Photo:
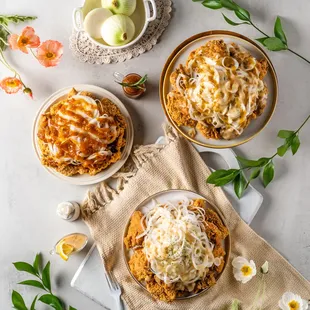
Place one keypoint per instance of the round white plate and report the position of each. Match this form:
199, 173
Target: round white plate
99, 92
174, 195
180, 55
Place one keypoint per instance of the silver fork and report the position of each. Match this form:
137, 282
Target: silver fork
114, 288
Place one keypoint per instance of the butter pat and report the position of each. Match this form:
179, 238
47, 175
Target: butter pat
69, 211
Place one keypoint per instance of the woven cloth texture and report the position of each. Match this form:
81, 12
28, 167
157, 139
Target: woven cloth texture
177, 165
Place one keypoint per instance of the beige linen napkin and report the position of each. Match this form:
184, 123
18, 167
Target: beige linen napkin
178, 165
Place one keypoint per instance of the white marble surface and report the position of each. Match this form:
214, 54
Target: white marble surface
28, 195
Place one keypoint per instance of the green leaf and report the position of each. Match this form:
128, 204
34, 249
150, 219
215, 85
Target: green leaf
71, 308
212, 4
230, 22
275, 44
239, 185
282, 149
235, 305
222, 177
243, 14
295, 145
285, 134
252, 163
52, 301
18, 301
32, 307
33, 283
268, 174
5, 19
230, 5
3, 38
278, 31
46, 279
261, 40
22, 266
255, 173
36, 263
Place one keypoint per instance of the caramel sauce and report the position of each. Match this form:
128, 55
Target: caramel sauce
133, 92
77, 130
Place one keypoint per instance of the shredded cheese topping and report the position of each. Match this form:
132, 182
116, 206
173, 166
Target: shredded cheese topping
78, 133
176, 244
222, 92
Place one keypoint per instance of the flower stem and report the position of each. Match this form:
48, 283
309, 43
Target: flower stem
5, 63
34, 55
6, 28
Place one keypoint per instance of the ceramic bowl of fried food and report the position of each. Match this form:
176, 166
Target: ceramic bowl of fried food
219, 89
176, 245
82, 134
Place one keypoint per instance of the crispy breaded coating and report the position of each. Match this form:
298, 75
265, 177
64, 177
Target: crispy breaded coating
161, 291
262, 66
139, 266
134, 230
207, 282
208, 132
215, 49
210, 91
178, 110
173, 76
200, 203
76, 164
212, 218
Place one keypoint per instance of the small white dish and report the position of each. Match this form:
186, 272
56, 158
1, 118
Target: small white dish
86, 179
145, 12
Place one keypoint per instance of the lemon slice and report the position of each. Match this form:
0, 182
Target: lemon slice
64, 250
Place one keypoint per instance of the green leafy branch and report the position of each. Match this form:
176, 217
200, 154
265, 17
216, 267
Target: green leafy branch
278, 42
263, 165
6, 19
42, 281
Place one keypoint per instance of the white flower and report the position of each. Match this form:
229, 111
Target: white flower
244, 270
291, 301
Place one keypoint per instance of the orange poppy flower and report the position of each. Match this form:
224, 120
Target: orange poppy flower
27, 39
11, 85
49, 53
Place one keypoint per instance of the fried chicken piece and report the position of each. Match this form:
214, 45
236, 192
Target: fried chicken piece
74, 92
178, 110
134, 230
139, 266
205, 283
262, 66
215, 49
200, 203
208, 132
160, 290
174, 75
213, 218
